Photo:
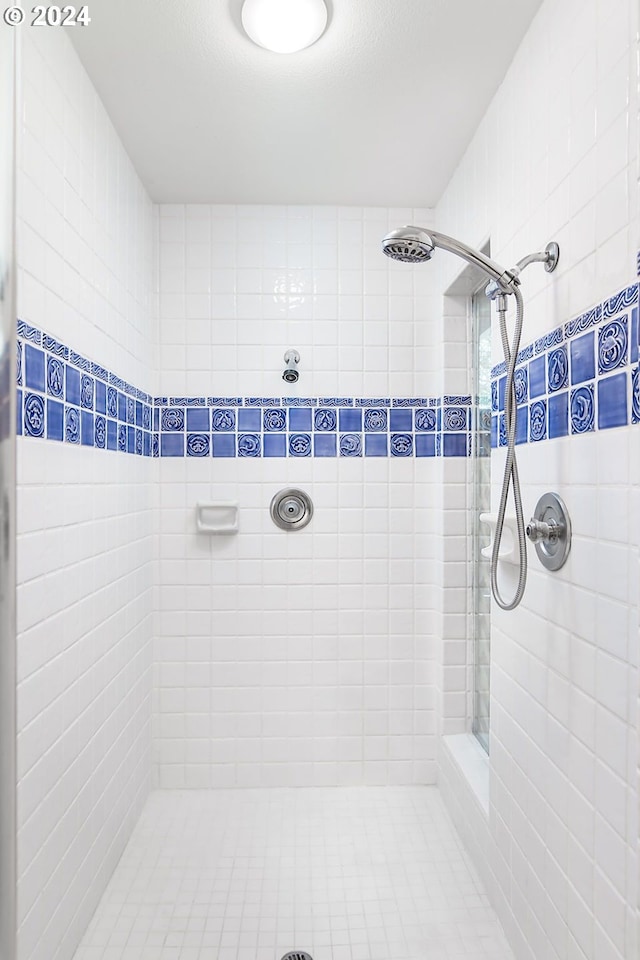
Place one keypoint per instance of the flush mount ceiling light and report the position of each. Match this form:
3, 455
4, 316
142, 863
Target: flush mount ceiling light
284, 26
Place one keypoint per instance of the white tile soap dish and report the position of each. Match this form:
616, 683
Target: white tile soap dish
218, 517
509, 547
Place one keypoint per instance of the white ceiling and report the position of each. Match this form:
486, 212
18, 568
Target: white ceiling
377, 112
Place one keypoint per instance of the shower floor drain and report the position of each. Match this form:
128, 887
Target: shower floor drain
297, 955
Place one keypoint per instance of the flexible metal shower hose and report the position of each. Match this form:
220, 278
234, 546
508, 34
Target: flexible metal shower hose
511, 466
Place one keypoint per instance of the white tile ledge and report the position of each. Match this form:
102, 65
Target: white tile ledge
472, 762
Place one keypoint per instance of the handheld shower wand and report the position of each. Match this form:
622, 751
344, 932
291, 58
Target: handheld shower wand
416, 245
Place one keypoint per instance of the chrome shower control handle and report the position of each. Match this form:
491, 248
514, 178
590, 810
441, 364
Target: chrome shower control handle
540, 530
550, 530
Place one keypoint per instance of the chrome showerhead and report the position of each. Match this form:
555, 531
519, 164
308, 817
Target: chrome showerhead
410, 245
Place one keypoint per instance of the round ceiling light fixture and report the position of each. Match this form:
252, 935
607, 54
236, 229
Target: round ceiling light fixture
284, 26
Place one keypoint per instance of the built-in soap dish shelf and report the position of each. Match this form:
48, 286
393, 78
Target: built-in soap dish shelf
509, 552
219, 517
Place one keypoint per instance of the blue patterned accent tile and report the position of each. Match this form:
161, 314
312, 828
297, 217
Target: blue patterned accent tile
33, 415
584, 322
582, 409
300, 420
197, 444
131, 410
146, 416
112, 435
401, 420
558, 415
350, 445
335, 401
324, 445
300, 445
197, 419
122, 407
620, 301
223, 445
249, 421
157, 401
521, 383
99, 372
373, 402
155, 445
19, 362
553, 338
101, 397
72, 424
27, 332
499, 369
325, 419
249, 443
525, 354
425, 445
455, 400
19, 413
100, 434
274, 445
122, 437
583, 363
112, 402
494, 396
540, 346
454, 418
172, 418
139, 413
375, 445
55, 420
538, 421
54, 346
116, 381
299, 402
455, 445
401, 444
262, 401
411, 402
426, 420
33, 368
87, 430
223, 420
522, 424
79, 361
274, 420
156, 419
375, 421
613, 342
86, 391
146, 443
634, 346
537, 377
502, 430
224, 401
172, 444
55, 377
638, 264
612, 401
635, 396
558, 369
350, 420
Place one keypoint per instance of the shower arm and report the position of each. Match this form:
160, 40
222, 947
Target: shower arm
504, 279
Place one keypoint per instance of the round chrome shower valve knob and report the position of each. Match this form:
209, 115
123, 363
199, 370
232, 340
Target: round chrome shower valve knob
291, 509
550, 530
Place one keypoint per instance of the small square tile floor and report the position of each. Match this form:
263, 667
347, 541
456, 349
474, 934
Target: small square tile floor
368, 873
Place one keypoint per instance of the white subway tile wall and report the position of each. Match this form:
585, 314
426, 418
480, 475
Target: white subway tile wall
84, 523
295, 658
560, 856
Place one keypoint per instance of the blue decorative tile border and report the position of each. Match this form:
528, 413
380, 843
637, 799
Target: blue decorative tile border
65, 397
580, 377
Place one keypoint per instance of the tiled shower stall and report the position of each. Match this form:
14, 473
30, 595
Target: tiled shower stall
152, 657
